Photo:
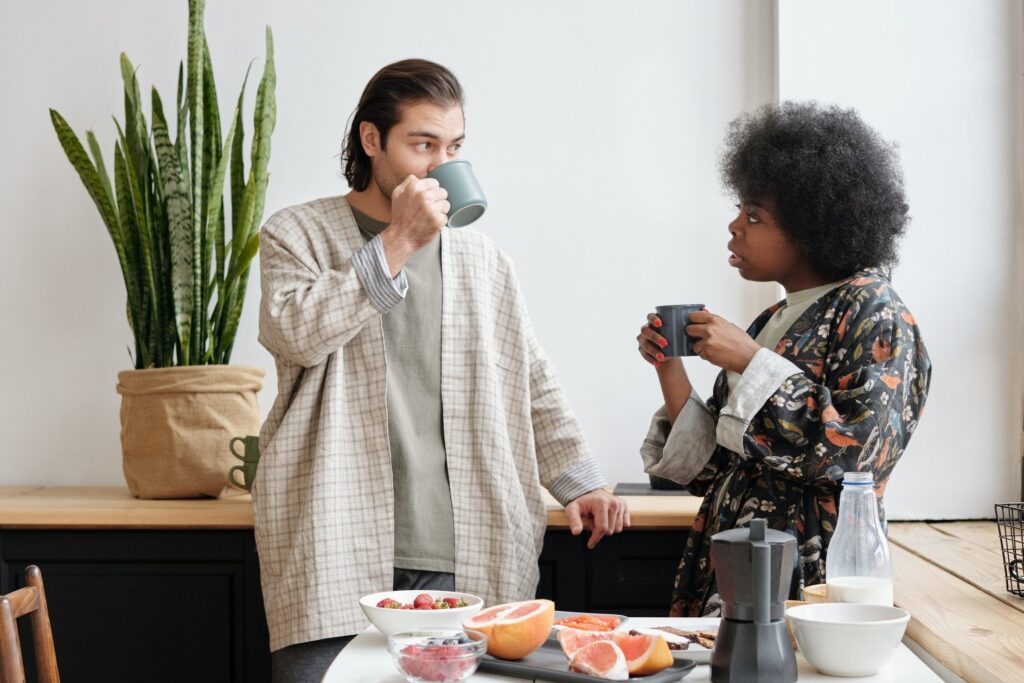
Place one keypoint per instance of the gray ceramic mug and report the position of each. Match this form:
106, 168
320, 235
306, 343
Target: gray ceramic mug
464, 193
674, 320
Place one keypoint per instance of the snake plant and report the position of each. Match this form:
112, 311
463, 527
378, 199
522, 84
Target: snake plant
185, 276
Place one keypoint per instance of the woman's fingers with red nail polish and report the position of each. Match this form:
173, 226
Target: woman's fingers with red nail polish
650, 343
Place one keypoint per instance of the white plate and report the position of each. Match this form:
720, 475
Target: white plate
697, 653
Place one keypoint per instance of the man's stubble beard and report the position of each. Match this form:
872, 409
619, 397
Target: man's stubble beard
385, 181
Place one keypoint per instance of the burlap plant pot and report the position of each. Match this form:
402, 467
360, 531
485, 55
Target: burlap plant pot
176, 424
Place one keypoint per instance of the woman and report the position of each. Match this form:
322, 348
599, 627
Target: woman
829, 380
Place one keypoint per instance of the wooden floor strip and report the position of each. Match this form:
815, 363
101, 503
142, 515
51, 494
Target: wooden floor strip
980, 566
947, 618
981, 533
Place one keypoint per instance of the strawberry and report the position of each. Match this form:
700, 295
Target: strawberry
407, 606
423, 599
430, 606
390, 603
452, 602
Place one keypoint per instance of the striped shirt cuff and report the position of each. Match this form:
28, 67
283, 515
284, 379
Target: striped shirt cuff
583, 477
679, 450
371, 266
764, 375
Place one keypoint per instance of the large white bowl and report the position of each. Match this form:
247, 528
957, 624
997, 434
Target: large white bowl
847, 639
389, 621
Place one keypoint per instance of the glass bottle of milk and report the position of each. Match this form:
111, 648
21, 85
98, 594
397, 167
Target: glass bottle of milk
858, 567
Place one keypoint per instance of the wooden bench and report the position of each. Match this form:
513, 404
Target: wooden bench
949, 576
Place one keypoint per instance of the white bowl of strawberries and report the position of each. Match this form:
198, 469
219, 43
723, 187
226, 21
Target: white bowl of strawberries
397, 611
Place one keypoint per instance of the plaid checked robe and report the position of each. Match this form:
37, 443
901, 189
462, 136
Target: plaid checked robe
323, 496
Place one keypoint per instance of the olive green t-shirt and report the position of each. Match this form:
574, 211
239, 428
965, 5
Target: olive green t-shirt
783, 319
424, 522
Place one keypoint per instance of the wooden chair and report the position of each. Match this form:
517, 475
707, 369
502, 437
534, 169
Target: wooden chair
30, 600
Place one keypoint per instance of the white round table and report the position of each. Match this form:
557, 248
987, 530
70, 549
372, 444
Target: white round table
366, 660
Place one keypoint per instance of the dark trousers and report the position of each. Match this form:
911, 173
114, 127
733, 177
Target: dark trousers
308, 662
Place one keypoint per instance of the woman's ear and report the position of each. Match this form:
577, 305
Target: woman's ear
369, 137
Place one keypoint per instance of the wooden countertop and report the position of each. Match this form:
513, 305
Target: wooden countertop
949, 576
113, 507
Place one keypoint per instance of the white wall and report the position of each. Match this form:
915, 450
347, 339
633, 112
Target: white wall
942, 78
594, 130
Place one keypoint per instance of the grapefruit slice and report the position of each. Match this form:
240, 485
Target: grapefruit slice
514, 629
645, 653
601, 658
572, 639
590, 622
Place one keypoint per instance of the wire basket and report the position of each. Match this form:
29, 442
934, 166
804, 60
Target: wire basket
1010, 522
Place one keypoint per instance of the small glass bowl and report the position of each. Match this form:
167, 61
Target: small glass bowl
437, 655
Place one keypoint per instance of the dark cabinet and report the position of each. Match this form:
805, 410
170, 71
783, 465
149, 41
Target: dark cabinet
146, 605
163, 605
630, 573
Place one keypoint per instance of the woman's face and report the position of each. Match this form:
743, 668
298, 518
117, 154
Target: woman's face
762, 252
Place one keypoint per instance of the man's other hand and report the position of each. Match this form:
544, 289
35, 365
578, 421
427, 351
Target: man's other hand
599, 511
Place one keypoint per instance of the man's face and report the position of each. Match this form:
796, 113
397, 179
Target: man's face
425, 136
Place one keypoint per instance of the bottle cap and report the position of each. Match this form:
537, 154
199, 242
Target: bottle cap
858, 478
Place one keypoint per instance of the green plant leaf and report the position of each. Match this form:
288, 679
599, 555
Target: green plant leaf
238, 160
234, 315
179, 226
197, 130
235, 284
97, 158
180, 143
97, 189
216, 216
140, 322
251, 212
237, 191
212, 188
264, 118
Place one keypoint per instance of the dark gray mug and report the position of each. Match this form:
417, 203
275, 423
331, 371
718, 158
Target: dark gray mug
464, 193
674, 320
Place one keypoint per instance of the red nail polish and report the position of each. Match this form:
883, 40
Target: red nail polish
663, 343
661, 356
657, 364
657, 322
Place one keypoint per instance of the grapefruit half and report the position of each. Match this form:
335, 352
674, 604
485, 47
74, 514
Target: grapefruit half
514, 629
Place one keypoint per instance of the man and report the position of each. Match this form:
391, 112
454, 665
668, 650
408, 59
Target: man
417, 416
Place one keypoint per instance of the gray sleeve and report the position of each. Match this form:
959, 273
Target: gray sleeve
764, 375
371, 266
680, 450
583, 477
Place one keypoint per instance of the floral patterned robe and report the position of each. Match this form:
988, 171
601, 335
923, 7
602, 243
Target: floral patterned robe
865, 379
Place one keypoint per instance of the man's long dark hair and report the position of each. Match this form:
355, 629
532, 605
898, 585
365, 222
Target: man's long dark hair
406, 82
